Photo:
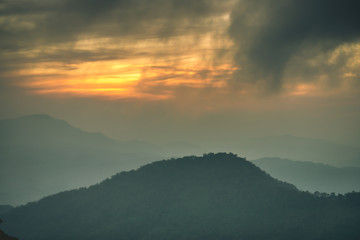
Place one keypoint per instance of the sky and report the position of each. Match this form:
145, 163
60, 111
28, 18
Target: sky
199, 71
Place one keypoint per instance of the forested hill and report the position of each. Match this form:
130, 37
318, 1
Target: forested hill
217, 196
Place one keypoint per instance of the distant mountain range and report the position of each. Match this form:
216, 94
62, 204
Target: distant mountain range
299, 149
217, 196
40, 155
312, 177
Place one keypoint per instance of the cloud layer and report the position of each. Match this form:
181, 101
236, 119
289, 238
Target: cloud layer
275, 36
99, 63
296, 47
37, 21
49, 43
29, 24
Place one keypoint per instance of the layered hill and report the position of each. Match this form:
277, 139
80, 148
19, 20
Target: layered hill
5, 208
309, 176
217, 196
41, 155
300, 149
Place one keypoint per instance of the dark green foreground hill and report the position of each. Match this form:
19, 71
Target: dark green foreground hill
217, 196
4, 236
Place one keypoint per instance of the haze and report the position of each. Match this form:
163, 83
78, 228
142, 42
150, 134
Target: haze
209, 73
179, 119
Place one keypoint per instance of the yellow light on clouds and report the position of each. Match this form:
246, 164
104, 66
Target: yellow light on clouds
128, 68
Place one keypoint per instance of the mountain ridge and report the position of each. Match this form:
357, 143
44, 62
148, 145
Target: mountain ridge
309, 176
216, 196
300, 149
49, 155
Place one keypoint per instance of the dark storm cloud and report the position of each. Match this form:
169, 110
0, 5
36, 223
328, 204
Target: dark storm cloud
271, 33
29, 24
25, 23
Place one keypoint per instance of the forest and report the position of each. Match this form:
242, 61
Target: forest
215, 196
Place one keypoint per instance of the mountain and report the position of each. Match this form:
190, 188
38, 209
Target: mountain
299, 149
41, 155
312, 177
216, 196
5, 208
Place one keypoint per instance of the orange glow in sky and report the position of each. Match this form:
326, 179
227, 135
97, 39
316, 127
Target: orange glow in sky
111, 79
150, 69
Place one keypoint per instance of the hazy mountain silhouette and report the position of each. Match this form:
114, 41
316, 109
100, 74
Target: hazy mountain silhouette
312, 177
300, 149
5, 208
40, 155
217, 196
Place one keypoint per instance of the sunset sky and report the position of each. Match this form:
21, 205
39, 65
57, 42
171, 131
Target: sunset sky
199, 71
